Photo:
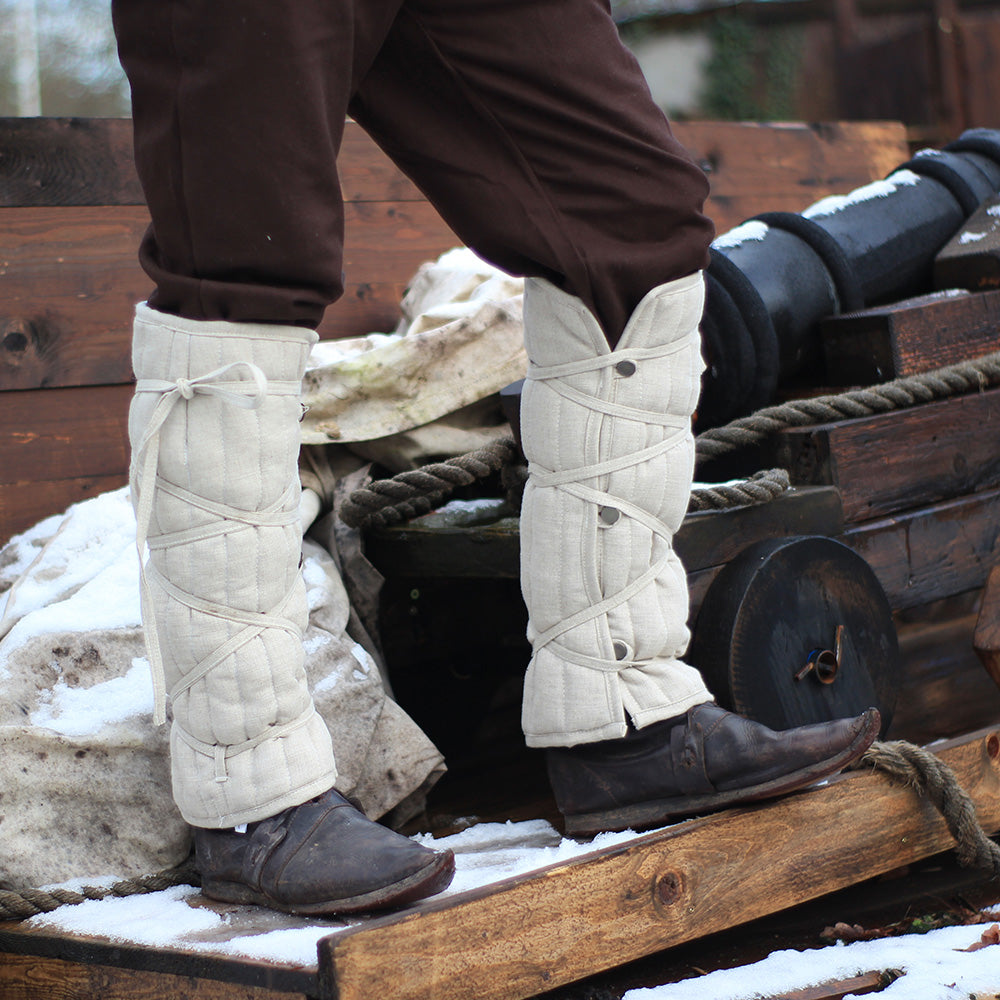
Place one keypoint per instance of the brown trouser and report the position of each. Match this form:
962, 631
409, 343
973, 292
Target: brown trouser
525, 122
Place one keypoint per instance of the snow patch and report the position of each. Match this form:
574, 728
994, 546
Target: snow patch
84, 711
878, 189
752, 230
935, 968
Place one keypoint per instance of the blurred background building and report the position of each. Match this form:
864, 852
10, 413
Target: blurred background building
932, 64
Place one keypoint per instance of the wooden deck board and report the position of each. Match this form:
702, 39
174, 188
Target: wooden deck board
529, 934
520, 938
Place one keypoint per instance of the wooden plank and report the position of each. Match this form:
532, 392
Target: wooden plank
534, 933
23, 505
787, 167
88, 161
897, 460
58, 446
868, 982
67, 161
986, 639
923, 555
64, 434
71, 279
426, 547
971, 258
29, 977
944, 690
981, 55
70, 284
905, 338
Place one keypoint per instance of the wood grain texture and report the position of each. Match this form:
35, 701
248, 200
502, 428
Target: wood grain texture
71, 281
986, 639
933, 552
905, 338
29, 977
945, 691
88, 161
533, 933
785, 168
753, 167
58, 446
971, 258
67, 161
23, 505
64, 434
897, 460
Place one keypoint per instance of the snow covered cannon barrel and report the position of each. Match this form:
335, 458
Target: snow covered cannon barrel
774, 277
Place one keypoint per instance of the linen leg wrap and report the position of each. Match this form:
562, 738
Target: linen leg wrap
214, 427
611, 456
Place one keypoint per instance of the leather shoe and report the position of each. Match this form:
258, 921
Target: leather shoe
699, 762
321, 857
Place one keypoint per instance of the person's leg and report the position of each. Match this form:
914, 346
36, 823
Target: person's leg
531, 129
585, 185
245, 250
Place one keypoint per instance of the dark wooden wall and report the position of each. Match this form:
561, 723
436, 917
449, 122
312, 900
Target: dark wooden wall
72, 214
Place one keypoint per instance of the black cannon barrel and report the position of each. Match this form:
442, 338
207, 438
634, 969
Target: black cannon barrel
785, 272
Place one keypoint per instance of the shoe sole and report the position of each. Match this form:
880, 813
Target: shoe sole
643, 815
433, 878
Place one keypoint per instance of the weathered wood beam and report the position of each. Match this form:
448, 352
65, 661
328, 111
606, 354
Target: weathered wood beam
529, 934
32, 977
897, 460
971, 258
923, 555
909, 337
986, 639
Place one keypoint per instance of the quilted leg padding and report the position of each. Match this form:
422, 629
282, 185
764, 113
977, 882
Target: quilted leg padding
611, 456
214, 427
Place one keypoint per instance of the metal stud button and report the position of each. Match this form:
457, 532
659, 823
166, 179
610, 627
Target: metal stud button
621, 650
609, 515
625, 368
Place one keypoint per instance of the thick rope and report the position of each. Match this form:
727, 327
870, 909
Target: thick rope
902, 393
927, 774
759, 488
30, 902
410, 494
390, 501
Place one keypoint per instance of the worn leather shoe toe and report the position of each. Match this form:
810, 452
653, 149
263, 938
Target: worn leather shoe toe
321, 857
705, 760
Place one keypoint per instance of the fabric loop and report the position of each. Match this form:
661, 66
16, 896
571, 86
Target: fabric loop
220, 753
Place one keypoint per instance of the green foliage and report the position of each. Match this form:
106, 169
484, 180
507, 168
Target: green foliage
752, 73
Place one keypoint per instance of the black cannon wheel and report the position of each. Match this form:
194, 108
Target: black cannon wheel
798, 630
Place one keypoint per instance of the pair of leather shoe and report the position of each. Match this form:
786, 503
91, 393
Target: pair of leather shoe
326, 857
321, 857
705, 760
